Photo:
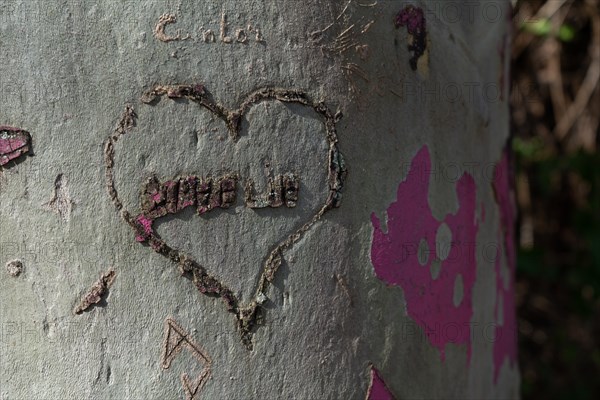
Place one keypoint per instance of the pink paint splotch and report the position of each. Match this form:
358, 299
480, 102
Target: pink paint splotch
9, 145
156, 197
377, 388
505, 343
14, 142
396, 261
146, 224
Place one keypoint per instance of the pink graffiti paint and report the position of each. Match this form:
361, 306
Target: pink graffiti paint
156, 197
8, 145
377, 388
414, 19
505, 344
146, 224
396, 260
14, 142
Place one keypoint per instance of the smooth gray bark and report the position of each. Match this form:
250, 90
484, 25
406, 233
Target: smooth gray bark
70, 69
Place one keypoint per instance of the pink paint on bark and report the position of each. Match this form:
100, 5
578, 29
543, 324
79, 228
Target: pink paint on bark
187, 204
11, 144
146, 224
156, 197
377, 388
14, 142
395, 256
505, 344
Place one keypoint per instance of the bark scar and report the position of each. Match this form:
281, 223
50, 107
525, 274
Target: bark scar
97, 292
61, 203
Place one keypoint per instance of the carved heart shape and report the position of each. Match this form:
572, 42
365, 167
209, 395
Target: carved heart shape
207, 193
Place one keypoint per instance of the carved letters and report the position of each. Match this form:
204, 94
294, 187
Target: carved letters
282, 189
207, 193
224, 33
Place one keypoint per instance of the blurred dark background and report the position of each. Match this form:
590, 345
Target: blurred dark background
555, 117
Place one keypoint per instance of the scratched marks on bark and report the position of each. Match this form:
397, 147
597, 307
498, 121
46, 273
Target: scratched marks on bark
347, 38
400, 255
14, 143
177, 339
97, 292
343, 37
284, 190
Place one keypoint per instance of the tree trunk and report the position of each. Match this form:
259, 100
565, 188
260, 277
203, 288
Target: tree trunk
263, 200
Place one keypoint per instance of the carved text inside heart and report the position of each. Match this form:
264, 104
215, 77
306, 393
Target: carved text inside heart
206, 193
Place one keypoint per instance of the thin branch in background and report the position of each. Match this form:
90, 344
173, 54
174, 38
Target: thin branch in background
588, 87
546, 11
